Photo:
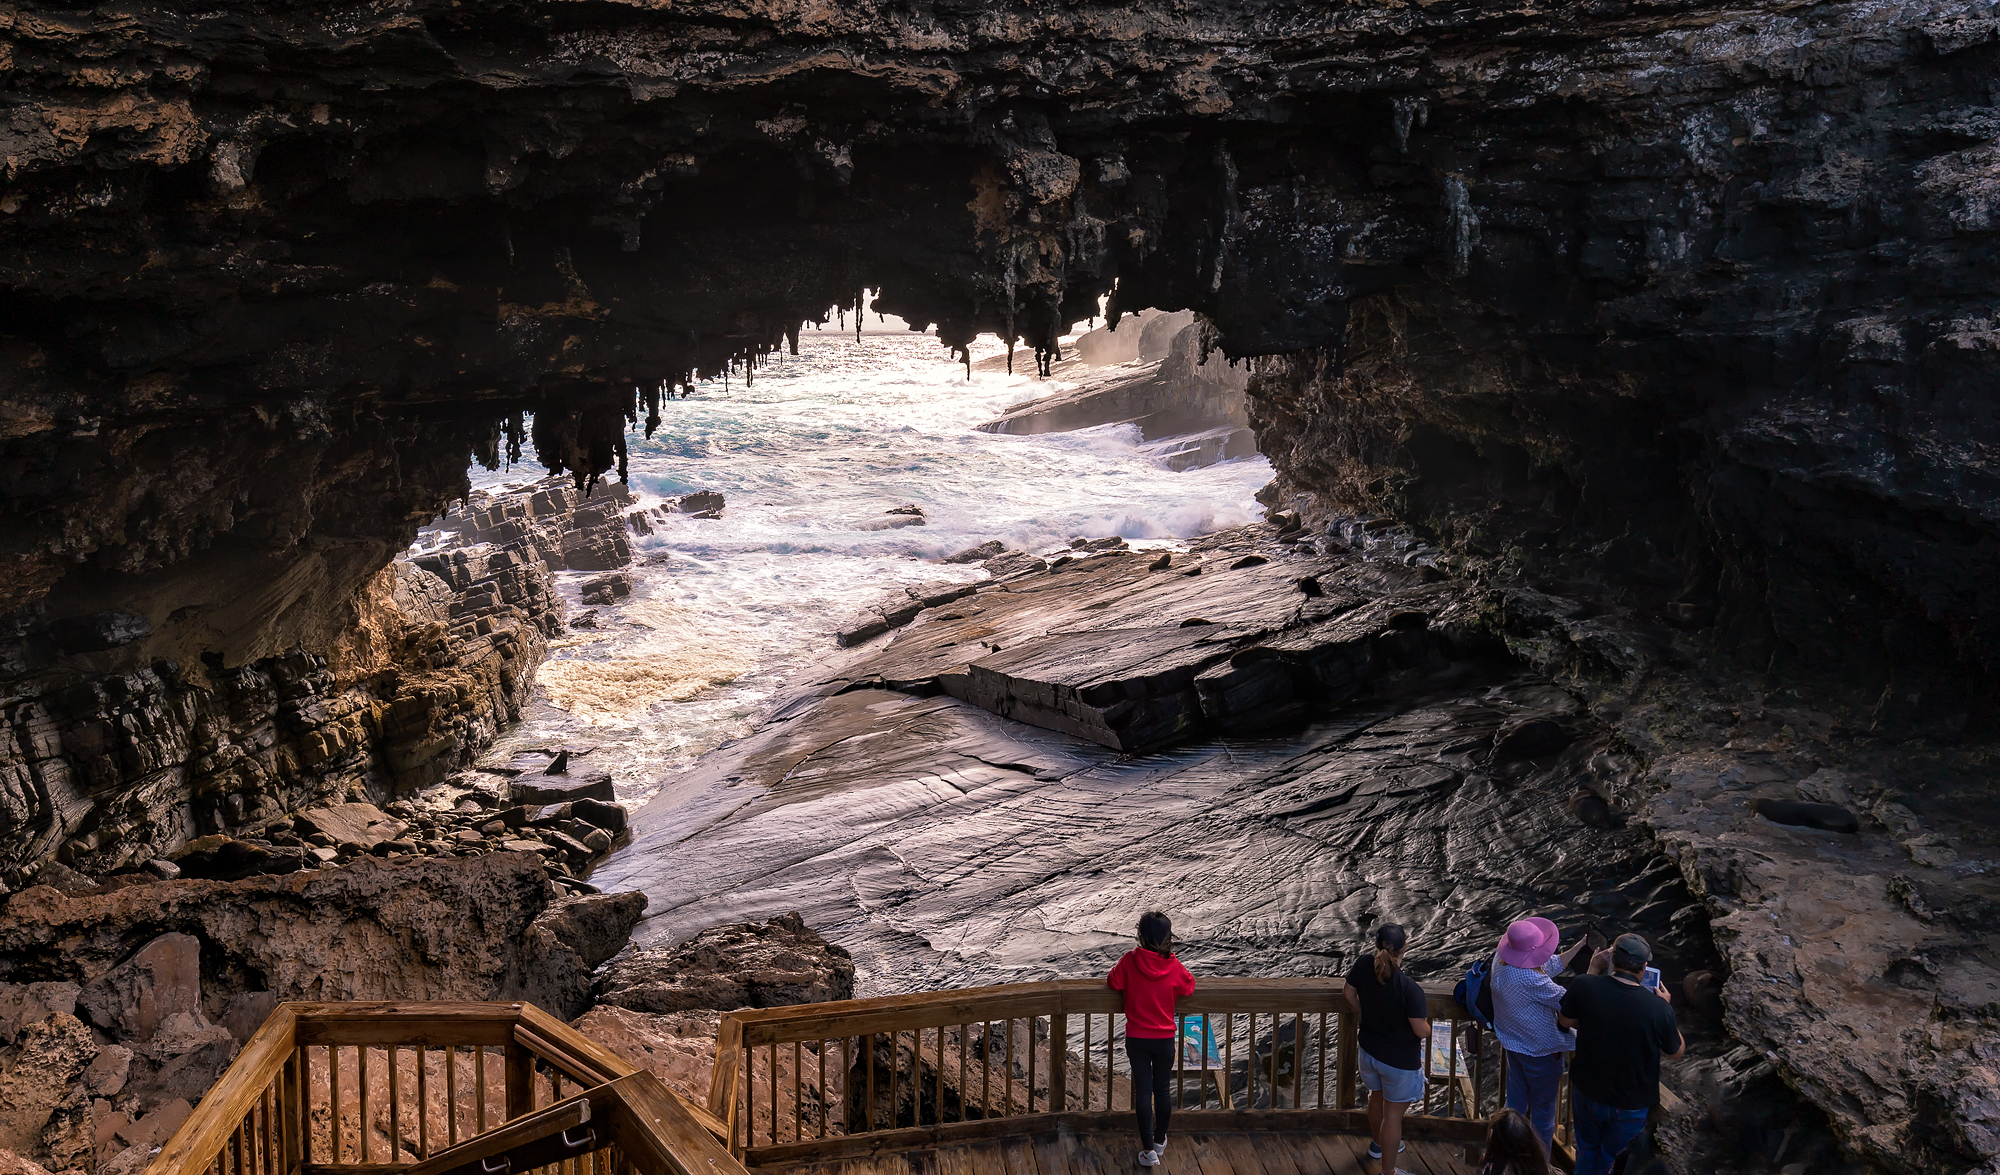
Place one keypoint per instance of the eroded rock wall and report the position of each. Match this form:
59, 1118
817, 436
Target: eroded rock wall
438, 655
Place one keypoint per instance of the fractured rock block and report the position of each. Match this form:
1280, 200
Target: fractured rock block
554, 789
1130, 688
701, 504
135, 999
363, 825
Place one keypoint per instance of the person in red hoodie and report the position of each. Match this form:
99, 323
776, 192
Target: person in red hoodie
1151, 980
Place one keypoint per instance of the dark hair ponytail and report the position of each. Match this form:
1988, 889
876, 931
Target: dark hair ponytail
1512, 1147
1389, 940
1156, 933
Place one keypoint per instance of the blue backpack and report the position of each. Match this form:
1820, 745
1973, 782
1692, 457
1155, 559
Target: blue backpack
1474, 993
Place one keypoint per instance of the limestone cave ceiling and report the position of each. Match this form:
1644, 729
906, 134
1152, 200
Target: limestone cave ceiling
1718, 274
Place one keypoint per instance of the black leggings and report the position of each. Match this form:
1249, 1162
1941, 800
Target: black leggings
1152, 1087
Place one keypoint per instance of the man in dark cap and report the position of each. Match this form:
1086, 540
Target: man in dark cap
1623, 1028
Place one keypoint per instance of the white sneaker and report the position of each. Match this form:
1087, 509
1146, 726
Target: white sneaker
1160, 1148
1149, 1158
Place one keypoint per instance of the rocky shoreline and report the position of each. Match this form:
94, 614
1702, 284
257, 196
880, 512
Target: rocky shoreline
1335, 726
1290, 691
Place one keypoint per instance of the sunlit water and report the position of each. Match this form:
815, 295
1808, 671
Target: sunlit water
822, 444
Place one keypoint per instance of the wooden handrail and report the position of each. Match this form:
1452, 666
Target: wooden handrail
750, 1095
945, 1009
194, 1146
256, 1117
564, 1115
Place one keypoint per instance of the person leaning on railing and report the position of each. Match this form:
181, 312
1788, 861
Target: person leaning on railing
1623, 1028
1526, 998
1151, 979
1395, 1022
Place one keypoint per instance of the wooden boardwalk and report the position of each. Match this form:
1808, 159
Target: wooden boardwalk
1067, 1152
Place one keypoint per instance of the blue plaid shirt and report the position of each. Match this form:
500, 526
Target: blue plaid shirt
1525, 1002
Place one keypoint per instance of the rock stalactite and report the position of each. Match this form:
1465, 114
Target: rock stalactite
1712, 286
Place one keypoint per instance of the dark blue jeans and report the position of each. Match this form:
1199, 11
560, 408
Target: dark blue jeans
1602, 1133
1532, 1085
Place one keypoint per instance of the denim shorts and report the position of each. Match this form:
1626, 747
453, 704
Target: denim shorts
1395, 1085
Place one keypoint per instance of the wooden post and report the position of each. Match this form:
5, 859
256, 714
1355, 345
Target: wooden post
1348, 1067
297, 1080
520, 1080
1058, 1062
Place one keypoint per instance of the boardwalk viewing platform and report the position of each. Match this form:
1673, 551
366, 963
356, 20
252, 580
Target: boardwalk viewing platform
1017, 1079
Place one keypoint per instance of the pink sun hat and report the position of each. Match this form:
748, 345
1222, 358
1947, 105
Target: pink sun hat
1529, 942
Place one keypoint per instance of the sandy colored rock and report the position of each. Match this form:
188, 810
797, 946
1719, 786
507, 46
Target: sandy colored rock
419, 928
362, 825
749, 965
13, 1164
36, 1075
676, 1047
107, 1071
22, 1004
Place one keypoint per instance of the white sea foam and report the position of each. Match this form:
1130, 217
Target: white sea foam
812, 453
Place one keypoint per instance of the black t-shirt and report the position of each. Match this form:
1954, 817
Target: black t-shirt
1621, 1030
1386, 1012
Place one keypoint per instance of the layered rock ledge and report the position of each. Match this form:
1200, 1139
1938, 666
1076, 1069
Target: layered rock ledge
439, 652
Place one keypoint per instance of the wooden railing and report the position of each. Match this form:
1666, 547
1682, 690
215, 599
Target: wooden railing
915, 1070
429, 1088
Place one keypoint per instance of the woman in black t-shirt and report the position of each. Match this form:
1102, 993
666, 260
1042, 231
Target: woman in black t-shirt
1394, 1024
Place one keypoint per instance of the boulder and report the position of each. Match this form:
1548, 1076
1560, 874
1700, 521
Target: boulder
133, 1000
594, 927
609, 817
746, 965
606, 589
552, 789
978, 554
361, 825
105, 1075
701, 504
224, 858
568, 941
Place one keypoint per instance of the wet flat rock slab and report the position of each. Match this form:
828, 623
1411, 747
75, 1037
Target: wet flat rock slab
944, 841
1118, 650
